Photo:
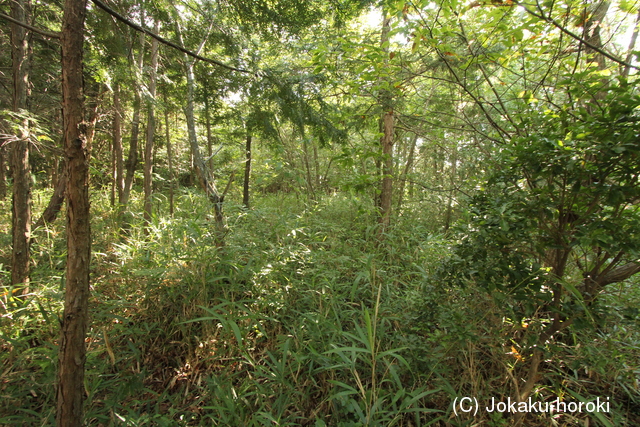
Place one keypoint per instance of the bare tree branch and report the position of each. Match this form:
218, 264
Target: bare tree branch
136, 27
571, 34
30, 27
632, 45
619, 274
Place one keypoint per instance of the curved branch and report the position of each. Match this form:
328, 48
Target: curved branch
30, 27
136, 27
619, 274
571, 34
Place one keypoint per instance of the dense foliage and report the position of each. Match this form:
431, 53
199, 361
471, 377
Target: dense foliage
330, 213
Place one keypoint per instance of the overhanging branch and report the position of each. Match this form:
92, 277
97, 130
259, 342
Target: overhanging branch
137, 27
571, 34
619, 274
30, 27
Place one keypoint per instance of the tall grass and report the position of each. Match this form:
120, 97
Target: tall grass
301, 319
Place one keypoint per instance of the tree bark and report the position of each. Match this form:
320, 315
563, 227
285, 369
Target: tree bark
21, 206
407, 168
307, 166
132, 159
93, 101
592, 32
55, 203
169, 153
55, 170
618, 274
247, 170
72, 352
60, 190
3, 173
386, 141
202, 170
630, 49
316, 165
151, 130
386, 191
207, 120
205, 176
117, 144
452, 183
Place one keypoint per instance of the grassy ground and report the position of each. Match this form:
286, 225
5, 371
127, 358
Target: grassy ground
301, 319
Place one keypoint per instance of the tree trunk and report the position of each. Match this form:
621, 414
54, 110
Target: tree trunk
112, 199
386, 141
70, 391
117, 144
386, 191
316, 165
207, 119
452, 192
169, 153
132, 159
631, 48
60, 190
202, 170
93, 99
407, 168
307, 167
55, 203
3, 173
21, 206
592, 32
151, 129
55, 172
205, 176
247, 170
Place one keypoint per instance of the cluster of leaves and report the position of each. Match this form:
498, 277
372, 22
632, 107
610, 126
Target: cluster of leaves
571, 186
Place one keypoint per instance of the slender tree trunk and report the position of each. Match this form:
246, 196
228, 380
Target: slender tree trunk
386, 191
60, 190
202, 170
55, 203
307, 167
386, 141
205, 176
21, 207
452, 184
169, 153
592, 35
316, 165
407, 169
112, 172
151, 129
92, 105
55, 172
3, 173
631, 48
70, 392
377, 199
592, 32
114, 136
132, 159
207, 119
247, 170
117, 143
59, 184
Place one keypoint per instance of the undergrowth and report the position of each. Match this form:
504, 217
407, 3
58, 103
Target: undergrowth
302, 319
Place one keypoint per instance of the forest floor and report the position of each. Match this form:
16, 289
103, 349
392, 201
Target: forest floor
304, 317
